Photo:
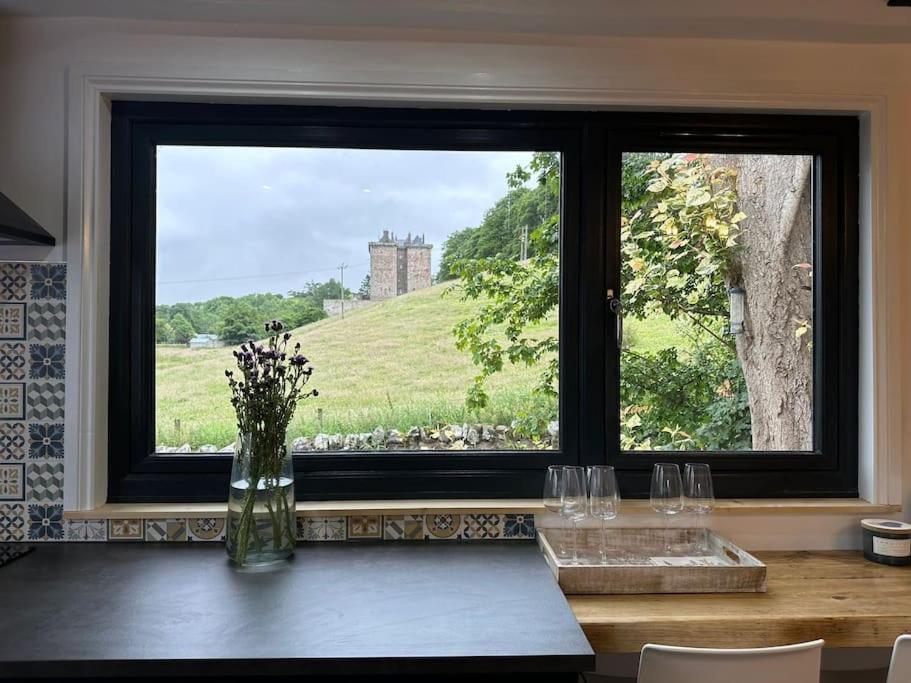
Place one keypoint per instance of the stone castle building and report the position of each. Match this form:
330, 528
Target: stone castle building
398, 266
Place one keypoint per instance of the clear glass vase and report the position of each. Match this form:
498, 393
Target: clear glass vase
261, 518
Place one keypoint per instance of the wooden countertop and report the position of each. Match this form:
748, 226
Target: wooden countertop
835, 595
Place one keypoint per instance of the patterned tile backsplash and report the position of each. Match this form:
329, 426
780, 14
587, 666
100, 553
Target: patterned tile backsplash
32, 392
32, 376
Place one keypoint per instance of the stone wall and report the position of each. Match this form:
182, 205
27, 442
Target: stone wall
417, 260
383, 271
334, 306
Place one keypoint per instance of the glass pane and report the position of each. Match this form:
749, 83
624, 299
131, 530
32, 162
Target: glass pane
422, 286
717, 291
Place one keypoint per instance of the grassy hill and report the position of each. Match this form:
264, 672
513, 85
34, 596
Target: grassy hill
392, 364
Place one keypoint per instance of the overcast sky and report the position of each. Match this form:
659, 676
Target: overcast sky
237, 220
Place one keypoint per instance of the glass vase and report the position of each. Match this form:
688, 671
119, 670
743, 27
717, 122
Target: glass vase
261, 515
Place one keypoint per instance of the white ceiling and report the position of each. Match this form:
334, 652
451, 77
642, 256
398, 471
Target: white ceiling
807, 20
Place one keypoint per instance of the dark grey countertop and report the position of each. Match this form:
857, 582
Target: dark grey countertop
367, 609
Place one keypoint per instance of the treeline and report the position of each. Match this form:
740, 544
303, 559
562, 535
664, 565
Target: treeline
236, 319
511, 220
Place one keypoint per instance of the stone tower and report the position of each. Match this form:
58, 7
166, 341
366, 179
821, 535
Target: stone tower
398, 266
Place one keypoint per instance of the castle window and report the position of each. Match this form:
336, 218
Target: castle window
482, 294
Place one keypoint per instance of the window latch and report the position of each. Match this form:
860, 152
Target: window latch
616, 307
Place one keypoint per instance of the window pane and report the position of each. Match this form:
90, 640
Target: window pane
422, 286
717, 291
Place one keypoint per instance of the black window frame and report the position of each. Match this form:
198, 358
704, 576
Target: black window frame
589, 144
829, 469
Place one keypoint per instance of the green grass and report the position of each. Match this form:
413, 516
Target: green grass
654, 334
393, 364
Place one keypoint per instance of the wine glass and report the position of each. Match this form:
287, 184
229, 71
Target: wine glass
666, 496
700, 497
553, 500
575, 501
604, 499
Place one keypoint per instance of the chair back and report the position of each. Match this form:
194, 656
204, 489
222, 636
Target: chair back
798, 663
900, 666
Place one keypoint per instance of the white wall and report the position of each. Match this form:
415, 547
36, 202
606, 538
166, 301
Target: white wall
35, 55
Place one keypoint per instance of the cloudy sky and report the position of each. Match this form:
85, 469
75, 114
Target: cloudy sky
237, 220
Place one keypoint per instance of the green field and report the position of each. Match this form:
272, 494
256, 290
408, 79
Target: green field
393, 364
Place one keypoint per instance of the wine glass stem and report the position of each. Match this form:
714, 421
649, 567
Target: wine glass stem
563, 536
575, 543
703, 546
667, 534
603, 544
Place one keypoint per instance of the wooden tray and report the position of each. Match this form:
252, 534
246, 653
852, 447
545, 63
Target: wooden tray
638, 562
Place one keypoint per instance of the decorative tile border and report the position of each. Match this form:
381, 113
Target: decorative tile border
87, 530
365, 527
169, 530
44, 522
206, 529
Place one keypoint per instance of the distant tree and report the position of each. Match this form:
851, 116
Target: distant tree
164, 333
319, 291
511, 222
183, 329
297, 312
514, 294
240, 322
364, 291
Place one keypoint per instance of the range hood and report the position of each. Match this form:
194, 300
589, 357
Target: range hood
17, 227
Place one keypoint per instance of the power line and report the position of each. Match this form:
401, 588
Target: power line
341, 270
256, 277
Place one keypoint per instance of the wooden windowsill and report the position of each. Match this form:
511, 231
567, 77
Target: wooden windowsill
743, 506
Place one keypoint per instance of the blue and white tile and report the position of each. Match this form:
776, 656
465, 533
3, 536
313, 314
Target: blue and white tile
47, 361
13, 361
48, 281
12, 481
518, 526
86, 530
14, 281
45, 441
44, 481
46, 321
13, 441
45, 401
45, 522
12, 522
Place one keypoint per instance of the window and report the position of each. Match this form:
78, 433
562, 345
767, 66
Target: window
393, 327
703, 367
486, 293
734, 263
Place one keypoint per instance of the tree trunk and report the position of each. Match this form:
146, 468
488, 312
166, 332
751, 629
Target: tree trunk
774, 266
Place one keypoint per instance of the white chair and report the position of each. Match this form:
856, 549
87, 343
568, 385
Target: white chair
786, 664
900, 666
